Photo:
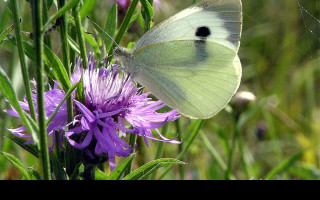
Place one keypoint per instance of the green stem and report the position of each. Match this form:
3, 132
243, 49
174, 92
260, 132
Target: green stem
233, 146
36, 9
82, 46
132, 143
124, 26
180, 148
243, 158
24, 69
65, 55
160, 149
47, 38
193, 135
73, 35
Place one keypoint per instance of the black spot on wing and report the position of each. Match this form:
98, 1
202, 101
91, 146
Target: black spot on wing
203, 32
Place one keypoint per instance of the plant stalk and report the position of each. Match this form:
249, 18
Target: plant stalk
82, 46
36, 10
24, 69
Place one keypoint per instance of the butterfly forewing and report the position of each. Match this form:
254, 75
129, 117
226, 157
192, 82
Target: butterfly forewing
222, 18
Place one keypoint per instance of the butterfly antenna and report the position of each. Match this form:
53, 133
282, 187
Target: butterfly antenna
105, 33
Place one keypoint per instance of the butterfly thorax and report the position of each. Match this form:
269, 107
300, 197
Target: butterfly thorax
127, 61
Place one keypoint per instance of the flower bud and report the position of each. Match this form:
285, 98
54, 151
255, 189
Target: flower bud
241, 100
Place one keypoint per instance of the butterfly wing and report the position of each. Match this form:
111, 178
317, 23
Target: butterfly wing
197, 78
223, 18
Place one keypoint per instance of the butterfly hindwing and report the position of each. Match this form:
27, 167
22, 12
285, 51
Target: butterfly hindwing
196, 78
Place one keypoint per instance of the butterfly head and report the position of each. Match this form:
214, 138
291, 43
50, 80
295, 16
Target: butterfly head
127, 61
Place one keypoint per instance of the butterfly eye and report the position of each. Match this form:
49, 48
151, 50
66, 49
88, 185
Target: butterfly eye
203, 32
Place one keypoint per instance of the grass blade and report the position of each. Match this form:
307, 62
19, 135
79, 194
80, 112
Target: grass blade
284, 165
16, 162
7, 91
58, 69
4, 34
111, 26
196, 127
31, 148
57, 168
117, 172
60, 12
149, 168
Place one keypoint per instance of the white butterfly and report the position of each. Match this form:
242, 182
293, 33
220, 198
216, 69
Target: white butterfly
190, 60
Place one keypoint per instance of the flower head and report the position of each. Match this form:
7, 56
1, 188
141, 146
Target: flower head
111, 98
111, 101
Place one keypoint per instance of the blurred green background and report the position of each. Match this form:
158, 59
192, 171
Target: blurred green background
275, 136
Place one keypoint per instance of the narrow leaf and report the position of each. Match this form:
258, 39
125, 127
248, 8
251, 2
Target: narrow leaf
8, 92
117, 172
195, 130
34, 173
57, 168
16, 162
99, 175
4, 34
148, 168
86, 8
58, 69
92, 42
31, 148
60, 12
111, 25
283, 166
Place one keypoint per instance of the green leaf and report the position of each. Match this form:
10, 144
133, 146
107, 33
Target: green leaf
100, 175
8, 92
111, 26
16, 162
195, 127
6, 32
134, 18
34, 174
73, 45
28, 49
92, 42
31, 148
117, 172
147, 14
72, 161
147, 11
59, 13
58, 69
284, 165
148, 168
57, 168
86, 8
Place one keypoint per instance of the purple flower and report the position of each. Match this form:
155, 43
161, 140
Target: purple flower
111, 98
111, 101
125, 3
52, 98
